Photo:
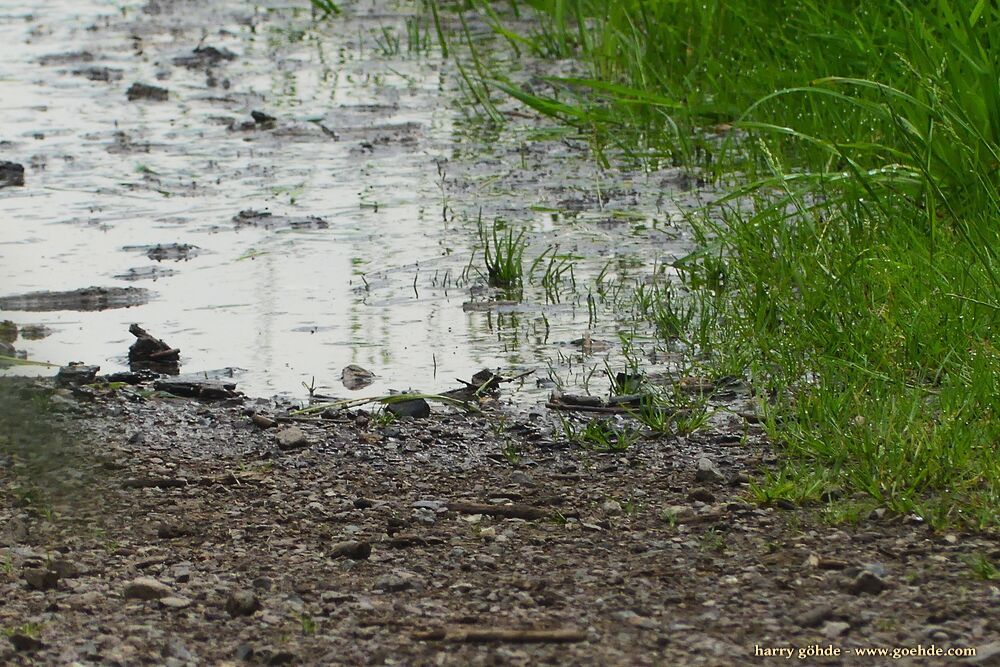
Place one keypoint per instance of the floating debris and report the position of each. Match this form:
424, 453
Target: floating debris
86, 299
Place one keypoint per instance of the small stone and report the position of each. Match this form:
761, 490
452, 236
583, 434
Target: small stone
76, 374
833, 629
416, 408
291, 438
263, 421
23, 642
147, 588
66, 569
354, 550
175, 602
15, 531
814, 616
169, 530
355, 377
522, 478
282, 658
866, 582
397, 581
701, 495
611, 507
41, 579
244, 652
825, 563
707, 472
242, 603
643, 622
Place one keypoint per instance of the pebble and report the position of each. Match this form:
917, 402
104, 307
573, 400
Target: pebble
355, 550
866, 582
146, 588
242, 603
707, 472
814, 616
611, 507
291, 438
833, 629
175, 602
397, 581
41, 579
522, 478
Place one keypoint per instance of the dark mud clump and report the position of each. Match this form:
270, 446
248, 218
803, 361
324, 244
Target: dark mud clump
11, 173
166, 251
142, 91
88, 298
204, 57
266, 220
106, 74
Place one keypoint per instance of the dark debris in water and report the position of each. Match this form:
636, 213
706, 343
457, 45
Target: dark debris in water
166, 251
205, 56
267, 220
85, 299
145, 273
142, 91
11, 174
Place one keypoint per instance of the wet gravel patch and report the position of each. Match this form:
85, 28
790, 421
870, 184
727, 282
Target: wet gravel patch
180, 532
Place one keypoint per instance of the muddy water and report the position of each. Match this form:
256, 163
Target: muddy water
358, 242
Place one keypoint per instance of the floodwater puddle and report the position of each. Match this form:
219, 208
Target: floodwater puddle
298, 196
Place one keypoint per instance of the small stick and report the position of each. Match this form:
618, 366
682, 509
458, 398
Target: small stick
527, 512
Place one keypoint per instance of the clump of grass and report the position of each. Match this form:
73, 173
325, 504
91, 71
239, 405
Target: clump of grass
503, 255
599, 435
982, 567
852, 274
326, 8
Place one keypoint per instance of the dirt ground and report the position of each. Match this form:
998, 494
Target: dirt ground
142, 529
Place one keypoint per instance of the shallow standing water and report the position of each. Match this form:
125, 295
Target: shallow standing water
374, 174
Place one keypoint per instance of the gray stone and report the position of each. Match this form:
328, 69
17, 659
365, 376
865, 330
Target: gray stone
611, 507
522, 478
866, 582
707, 472
397, 581
833, 629
354, 550
416, 408
814, 616
291, 438
41, 579
76, 374
242, 603
175, 602
146, 588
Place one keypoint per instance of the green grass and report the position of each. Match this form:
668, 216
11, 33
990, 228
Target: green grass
599, 435
503, 256
851, 275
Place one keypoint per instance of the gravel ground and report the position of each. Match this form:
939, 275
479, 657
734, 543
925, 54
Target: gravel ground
141, 529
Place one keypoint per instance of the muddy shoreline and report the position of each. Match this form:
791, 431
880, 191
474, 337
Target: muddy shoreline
162, 530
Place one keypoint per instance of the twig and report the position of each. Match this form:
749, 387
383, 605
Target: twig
516, 511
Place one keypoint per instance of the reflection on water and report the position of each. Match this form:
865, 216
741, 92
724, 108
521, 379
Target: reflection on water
369, 136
